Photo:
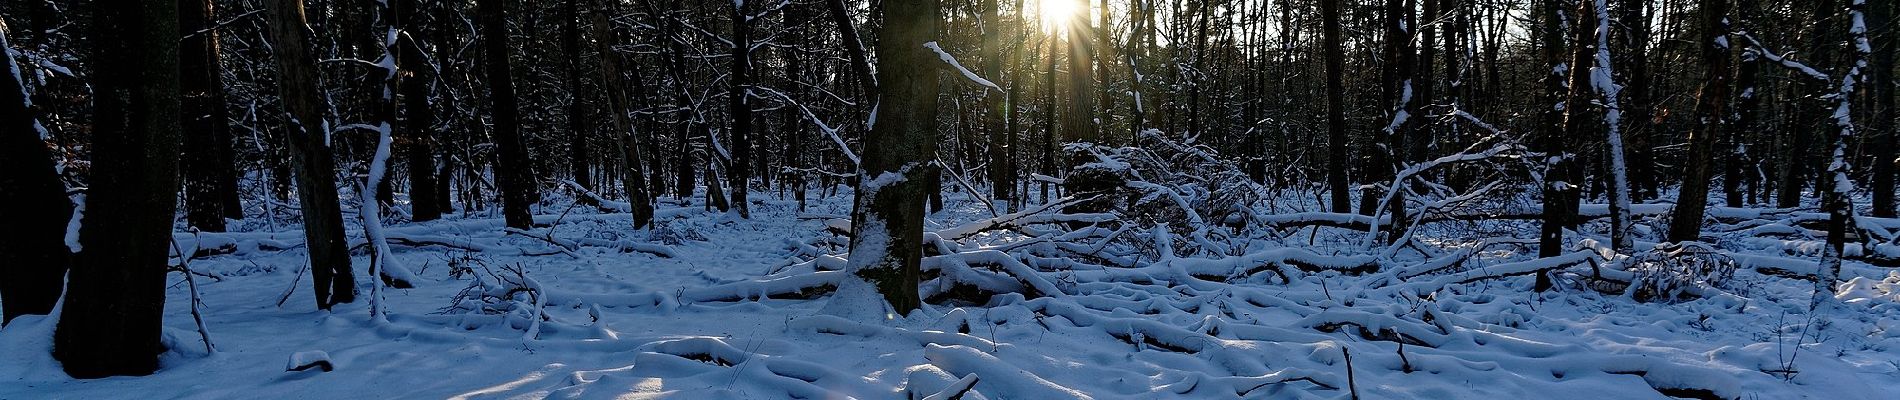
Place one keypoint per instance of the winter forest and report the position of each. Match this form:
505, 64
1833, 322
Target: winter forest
949, 199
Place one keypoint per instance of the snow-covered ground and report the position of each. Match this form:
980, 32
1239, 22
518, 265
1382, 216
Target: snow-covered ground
711, 306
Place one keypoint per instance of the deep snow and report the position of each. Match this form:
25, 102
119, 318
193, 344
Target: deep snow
635, 323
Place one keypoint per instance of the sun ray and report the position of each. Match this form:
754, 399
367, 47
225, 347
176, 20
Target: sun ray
1056, 15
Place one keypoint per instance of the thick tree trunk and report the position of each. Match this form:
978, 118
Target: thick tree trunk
33, 254
739, 173
1002, 178
1712, 110
1880, 137
310, 155
209, 179
580, 158
111, 321
887, 223
426, 200
635, 182
1399, 91
1813, 113
1632, 63
1078, 113
1335, 105
513, 175
1560, 173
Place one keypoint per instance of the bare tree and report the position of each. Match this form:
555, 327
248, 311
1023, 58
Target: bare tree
887, 223
1335, 105
209, 179
311, 155
1712, 108
513, 174
111, 321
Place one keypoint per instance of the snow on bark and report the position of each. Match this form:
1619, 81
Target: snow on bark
371, 213
73, 224
952, 61
1602, 77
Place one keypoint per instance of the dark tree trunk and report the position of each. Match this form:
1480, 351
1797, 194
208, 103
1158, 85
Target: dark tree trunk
635, 182
739, 173
1335, 105
111, 323
1002, 178
1560, 173
1048, 161
1632, 61
1399, 92
889, 215
1712, 109
310, 155
1880, 138
580, 159
860, 62
208, 175
426, 199
1582, 103
1813, 113
1424, 84
513, 175
33, 254
1078, 113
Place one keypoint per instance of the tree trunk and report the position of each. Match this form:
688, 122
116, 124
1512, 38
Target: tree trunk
1837, 198
578, 127
1603, 80
1002, 179
208, 138
426, 199
111, 321
513, 176
1712, 110
1560, 173
1386, 153
1632, 63
1335, 105
33, 254
635, 182
1078, 113
860, 62
1880, 135
310, 155
887, 243
739, 173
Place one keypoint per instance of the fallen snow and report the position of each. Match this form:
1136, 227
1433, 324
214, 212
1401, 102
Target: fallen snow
733, 309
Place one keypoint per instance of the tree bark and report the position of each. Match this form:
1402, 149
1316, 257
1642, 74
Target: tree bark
1335, 106
1712, 110
33, 254
209, 178
739, 171
578, 127
111, 321
1632, 62
1880, 138
513, 175
888, 219
635, 182
426, 199
1078, 113
311, 155
1560, 173
1002, 177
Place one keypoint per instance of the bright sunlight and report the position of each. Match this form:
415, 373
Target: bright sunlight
1057, 14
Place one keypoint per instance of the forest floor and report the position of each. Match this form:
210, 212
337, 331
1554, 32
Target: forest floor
724, 308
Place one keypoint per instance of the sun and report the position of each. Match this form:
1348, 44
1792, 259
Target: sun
1058, 14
